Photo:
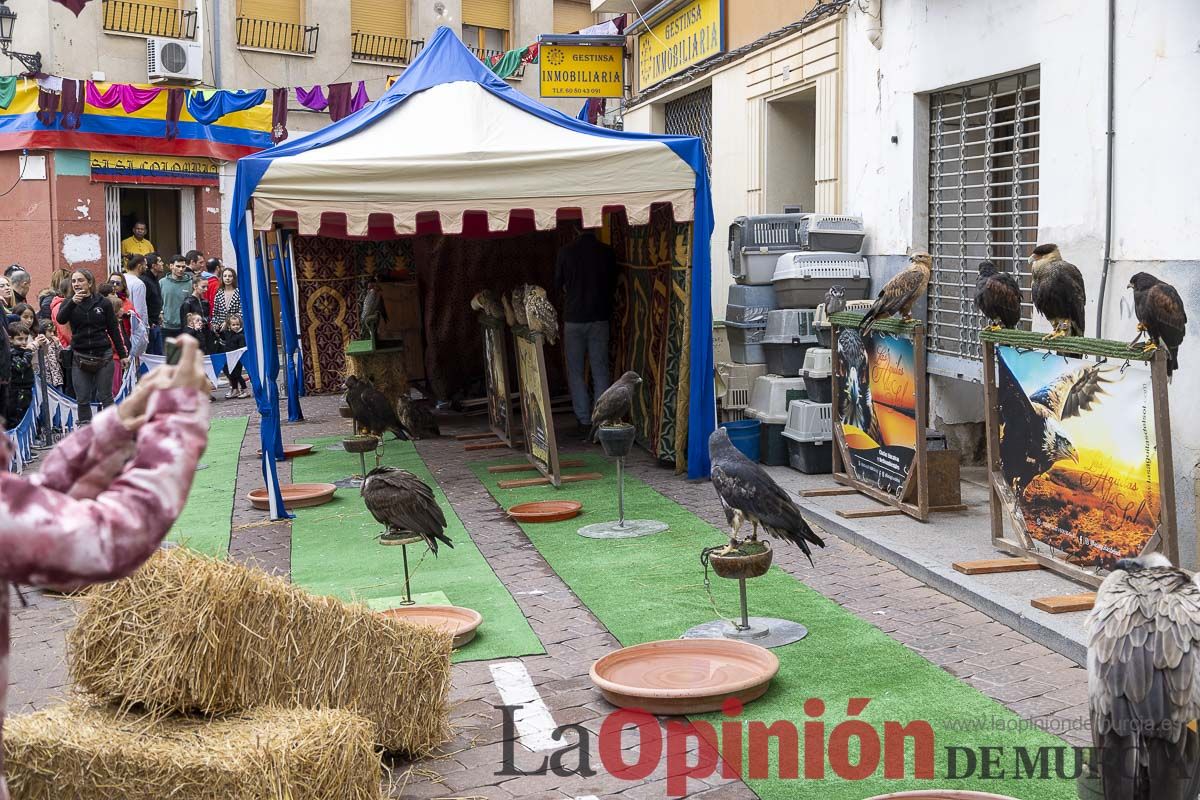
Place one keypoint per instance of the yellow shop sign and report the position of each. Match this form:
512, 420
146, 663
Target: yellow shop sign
680, 40
574, 70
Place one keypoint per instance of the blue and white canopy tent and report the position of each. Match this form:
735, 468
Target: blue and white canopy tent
451, 139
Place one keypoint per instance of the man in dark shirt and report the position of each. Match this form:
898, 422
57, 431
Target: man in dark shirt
154, 271
586, 271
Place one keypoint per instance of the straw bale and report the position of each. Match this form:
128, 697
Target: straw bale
85, 750
187, 633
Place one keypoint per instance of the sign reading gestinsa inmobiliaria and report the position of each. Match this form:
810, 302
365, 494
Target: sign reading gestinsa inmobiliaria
571, 70
680, 40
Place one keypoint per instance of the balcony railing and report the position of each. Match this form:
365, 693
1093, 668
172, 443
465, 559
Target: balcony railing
388, 49
266, 34
122, 16
489, 56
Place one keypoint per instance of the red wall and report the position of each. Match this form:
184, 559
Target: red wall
25, 221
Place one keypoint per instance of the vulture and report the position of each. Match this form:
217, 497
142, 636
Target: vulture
540, 312
1160, 313
417, 418
1033, 438
835, 300
485, 302
371, 409
371, 312
405, 503
749, 495
615, 403
518, 305
1143, 687
902, 292
998, 297
1058, 291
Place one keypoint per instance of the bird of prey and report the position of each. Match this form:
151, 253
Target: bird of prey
405, 503
748, 494
855, 402
1058, 291
1160, 313
540, 312
416, 417
998, 297
372, 311
1143, 686
902, 292
615, 403
518, 306
1033, 439
835, 300
486, 303
371, 409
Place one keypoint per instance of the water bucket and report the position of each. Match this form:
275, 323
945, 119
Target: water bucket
744, 435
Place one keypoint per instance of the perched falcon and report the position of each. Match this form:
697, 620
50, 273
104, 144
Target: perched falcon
372, 311
486, 303
902, 292
1058, 291
405, 503
540, 312
1033, 439
518, 305
835, 300
1143, 681
998, 297
616, 402
371, 409
748, 494
1160, 313
417, 418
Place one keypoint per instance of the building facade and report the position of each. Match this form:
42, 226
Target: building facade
70, 206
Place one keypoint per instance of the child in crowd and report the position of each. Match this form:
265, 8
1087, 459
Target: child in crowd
53, 351
194, 326
25, 314
20, 385
233, 338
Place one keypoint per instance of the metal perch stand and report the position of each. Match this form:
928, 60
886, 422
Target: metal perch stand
404, 539
617, 441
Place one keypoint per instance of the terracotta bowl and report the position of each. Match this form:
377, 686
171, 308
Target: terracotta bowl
293, 450
460, 622
360, 444
684, 676
942, 794
295, 495
546, 511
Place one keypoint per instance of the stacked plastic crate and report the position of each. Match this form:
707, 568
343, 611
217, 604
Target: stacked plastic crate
787, 263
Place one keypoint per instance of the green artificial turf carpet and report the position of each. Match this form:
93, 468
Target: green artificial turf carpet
335, 552
206, 519
652, 588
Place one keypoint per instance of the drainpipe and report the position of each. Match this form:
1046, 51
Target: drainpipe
1111, 135
216, 40
874, 29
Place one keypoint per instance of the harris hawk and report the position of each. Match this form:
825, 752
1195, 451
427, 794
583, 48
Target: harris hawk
1160, 314
998, 296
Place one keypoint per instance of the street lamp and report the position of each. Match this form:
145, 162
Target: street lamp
8, 20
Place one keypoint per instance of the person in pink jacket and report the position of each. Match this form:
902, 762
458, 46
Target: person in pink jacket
106, 495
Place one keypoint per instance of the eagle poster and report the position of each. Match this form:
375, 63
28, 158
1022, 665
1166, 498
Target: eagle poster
533, 395
877, 403
1078, 454
497, 386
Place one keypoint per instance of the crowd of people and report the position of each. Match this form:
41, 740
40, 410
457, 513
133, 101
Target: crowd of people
82, 331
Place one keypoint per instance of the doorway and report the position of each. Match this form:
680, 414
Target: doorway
790, 153
159, 209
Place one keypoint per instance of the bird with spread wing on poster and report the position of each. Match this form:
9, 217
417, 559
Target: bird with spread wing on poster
485, 303
1143, 681
749, 494
615, 403
998, 297
1159, 310
1058, 291
405, 504
1032, 438
854, 405
542, 316
902, 292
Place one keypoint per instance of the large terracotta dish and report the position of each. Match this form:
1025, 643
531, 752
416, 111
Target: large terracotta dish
459, 622
942, 794
684, 676
293, 450
546, 511
295, 495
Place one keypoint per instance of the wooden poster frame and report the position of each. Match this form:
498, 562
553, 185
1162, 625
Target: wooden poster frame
540, 396
498, 360
1000, 496
919, 472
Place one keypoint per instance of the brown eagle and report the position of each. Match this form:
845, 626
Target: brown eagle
1058, 291
615, 403
1160, 313
998, 297
902, 292
486, 303
371, 409
405, 503
1144, 680
540, 313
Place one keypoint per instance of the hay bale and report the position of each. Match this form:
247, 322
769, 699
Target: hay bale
186, 633
86, 750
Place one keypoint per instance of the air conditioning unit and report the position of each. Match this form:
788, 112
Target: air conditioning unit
174, 60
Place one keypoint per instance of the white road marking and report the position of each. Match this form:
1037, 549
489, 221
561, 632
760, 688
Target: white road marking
533, 720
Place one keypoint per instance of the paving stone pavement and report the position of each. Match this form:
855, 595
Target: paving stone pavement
1036, 683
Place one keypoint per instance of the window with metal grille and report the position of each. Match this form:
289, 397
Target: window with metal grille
691, 115
983, 205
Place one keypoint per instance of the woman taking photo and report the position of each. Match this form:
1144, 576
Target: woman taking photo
226, 301
95, 338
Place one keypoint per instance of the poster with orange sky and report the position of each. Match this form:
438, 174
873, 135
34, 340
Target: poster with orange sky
1077, 451
878, 407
